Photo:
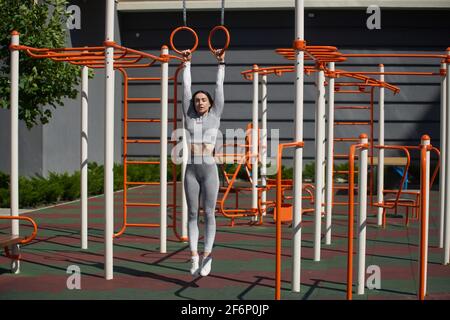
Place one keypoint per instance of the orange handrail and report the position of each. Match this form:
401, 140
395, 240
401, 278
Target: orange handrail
24, 218
281, 146
402, 180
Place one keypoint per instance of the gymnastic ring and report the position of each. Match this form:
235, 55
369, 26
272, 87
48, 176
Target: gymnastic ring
183, 28
227, 42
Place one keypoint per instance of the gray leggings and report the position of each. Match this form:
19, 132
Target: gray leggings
201, 181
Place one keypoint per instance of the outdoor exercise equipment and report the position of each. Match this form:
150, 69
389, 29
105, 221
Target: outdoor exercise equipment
11, 243
112, 57
425, 148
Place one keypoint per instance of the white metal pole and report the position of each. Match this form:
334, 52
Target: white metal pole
163, 161
109, 140
254, 159
184, 211
380, 184
320, 157
330, 158
84, 156
14, 109
447, 172
443, 158
362, 219
298, 156
425, 142
263, 140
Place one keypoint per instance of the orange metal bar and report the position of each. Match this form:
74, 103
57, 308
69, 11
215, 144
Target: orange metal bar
393, 55
24, 218
397, 73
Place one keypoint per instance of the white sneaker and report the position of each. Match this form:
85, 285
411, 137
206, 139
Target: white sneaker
206, 266
195, 265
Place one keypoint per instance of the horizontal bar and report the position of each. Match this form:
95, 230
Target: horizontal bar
142, 162
351, 123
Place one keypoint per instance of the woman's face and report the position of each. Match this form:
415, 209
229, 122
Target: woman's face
201, 103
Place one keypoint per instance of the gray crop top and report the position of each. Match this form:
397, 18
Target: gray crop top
202, 129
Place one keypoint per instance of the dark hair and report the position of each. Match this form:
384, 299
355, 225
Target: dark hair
211, 101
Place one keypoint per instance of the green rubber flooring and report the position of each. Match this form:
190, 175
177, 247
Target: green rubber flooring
243, 258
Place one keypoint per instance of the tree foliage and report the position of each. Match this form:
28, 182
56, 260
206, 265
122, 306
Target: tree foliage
43, 83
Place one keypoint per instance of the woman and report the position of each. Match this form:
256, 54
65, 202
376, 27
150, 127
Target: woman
202, 120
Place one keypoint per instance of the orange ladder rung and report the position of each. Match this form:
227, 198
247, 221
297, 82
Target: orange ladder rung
146, 141
351, 123
352, 107
346, 139
143, 120
137, 204
148, 183
147, 100
142, 162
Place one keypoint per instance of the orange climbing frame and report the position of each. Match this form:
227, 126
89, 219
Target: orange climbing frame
124, 58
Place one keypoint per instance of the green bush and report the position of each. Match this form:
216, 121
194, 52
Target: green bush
37, 190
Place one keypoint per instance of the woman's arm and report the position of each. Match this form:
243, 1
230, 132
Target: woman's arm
219, 98
187, 84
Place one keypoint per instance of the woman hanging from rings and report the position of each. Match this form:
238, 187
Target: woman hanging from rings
202, 116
